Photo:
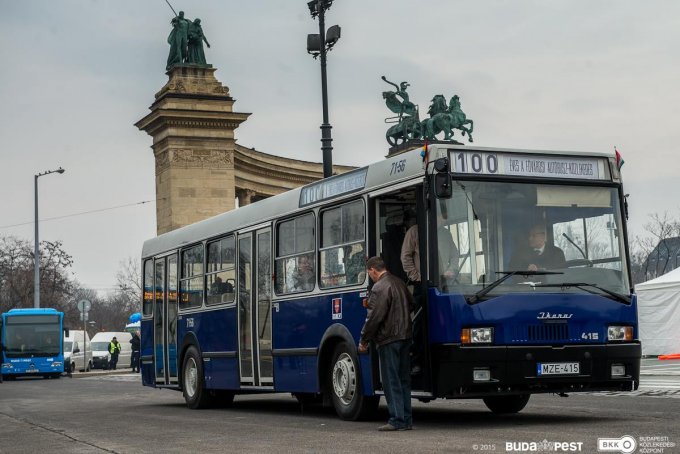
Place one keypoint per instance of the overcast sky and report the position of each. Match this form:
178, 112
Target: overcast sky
565, 75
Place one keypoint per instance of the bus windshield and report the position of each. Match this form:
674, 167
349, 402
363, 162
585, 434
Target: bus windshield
32, 335
561, 235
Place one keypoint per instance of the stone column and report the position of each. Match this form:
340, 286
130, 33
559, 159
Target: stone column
192, 123
245, 196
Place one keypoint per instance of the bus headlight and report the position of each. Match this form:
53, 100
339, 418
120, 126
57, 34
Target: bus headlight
7, 366
476, 336
620, 333
57, 364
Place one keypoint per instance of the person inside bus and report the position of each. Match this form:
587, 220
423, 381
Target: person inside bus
218, 287
537, 255
410, 259
392, 241
303, 279
355, 264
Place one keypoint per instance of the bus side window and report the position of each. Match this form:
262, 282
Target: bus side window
295, 267
191, 283
343, 247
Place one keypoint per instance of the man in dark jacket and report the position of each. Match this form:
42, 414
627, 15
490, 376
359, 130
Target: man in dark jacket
539, 255
388, 324
134, 357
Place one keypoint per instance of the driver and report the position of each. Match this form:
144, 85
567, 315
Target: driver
538, 255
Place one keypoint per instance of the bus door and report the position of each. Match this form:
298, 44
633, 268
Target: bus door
396, 211
255, 305
165, 320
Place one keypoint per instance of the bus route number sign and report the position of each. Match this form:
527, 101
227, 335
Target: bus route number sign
477, 163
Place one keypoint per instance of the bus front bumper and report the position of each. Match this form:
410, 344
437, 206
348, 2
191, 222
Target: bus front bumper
460, 371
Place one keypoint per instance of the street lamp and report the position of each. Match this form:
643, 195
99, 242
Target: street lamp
318, 45
36, 255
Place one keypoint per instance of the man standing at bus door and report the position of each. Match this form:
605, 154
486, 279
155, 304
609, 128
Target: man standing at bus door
539, 255
114, 350
388, 324
135, 347
448, 268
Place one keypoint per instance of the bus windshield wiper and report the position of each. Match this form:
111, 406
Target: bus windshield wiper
584, 286
507, 274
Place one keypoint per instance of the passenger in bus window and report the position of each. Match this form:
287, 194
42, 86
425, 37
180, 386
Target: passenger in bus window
355, 265
303, 279
537, 255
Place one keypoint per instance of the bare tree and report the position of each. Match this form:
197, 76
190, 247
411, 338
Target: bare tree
129, 283
659, 229
16, 274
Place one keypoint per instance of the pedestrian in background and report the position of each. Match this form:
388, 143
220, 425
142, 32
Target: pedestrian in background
134, 358
388, 324
114, 350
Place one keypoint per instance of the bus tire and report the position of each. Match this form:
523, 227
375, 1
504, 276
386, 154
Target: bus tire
193, 386
345, 386
507, 404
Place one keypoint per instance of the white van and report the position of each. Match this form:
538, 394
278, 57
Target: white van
75, 345
100, 349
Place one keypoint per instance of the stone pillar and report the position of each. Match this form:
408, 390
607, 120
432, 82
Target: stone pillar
192, 123
245, 196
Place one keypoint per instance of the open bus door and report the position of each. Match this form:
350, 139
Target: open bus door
394, 213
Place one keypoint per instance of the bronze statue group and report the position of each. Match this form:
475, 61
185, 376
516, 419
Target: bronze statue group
186, 42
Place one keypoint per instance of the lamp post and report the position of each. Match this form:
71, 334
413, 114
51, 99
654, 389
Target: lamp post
318, 46
36, 255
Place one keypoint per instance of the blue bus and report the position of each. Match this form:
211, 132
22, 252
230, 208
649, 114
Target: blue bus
32, 341
271, 297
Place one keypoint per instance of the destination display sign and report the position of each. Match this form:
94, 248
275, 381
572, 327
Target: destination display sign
333, 187
526, 165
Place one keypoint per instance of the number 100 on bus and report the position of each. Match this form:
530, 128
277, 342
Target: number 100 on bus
479, 163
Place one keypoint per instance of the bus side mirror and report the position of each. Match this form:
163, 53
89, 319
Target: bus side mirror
443, 187
66, 332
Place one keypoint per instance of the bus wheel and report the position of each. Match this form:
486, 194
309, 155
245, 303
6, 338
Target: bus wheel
345, 380
193, 388
507, 404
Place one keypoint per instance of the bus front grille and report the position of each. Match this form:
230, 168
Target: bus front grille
542, 332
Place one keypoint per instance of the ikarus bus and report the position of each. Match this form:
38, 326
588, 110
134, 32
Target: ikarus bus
271, 297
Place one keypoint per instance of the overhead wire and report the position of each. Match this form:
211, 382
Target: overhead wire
78, 214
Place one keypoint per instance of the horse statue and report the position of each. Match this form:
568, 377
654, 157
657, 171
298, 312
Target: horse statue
446, 119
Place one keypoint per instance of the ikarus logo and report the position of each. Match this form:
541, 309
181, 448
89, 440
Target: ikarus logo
555, 316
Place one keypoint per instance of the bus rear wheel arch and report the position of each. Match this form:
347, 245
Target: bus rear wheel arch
344, 380
506, 404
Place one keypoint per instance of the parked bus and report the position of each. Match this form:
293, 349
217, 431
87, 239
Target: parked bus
32, 343
271, 297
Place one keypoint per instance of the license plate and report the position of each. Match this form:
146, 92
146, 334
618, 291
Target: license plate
558, 368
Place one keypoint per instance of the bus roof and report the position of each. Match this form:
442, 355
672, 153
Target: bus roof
32, 311
373, 176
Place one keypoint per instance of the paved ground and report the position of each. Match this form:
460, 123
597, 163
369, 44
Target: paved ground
114, 413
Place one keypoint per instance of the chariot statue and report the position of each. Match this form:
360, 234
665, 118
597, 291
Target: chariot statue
443, 117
